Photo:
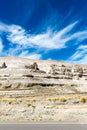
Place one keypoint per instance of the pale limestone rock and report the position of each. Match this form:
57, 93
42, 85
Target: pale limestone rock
20, 73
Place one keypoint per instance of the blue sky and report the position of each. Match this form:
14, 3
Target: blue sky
44, 29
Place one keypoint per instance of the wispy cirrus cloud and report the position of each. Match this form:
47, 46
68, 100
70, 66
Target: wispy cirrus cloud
80, 56
49, 40
31, 55
1, 46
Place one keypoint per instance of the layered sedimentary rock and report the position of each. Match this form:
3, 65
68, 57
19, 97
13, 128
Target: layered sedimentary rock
35, 90
21, 73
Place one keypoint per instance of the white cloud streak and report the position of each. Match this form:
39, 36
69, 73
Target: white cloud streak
80, 56
31, 56
49, 40
1, 46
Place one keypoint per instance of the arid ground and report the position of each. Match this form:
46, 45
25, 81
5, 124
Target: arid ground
28, 105
31, 91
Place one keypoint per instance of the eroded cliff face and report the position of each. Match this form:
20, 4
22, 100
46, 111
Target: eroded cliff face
20, 73
35, 90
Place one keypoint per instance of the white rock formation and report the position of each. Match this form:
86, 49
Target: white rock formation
22, 73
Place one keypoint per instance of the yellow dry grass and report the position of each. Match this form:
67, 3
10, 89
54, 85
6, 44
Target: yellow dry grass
83, 99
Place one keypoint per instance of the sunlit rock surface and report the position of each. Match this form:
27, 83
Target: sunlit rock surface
36, 90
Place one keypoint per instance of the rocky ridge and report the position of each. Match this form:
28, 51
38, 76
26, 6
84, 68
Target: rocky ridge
23, 73
37, 90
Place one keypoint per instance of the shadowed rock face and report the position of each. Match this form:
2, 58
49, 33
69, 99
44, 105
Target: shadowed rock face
20, 73
72, 71
34, 66
3, 66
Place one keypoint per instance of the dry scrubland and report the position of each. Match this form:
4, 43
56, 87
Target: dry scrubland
66, 107
42, 91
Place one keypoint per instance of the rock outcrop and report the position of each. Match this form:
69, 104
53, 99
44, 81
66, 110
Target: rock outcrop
3, 66
21, 73
36, 90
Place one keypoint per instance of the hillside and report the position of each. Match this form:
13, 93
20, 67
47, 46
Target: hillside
21, 73
38, 90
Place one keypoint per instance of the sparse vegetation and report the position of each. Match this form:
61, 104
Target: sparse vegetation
29, 105
83, 99
34, 100
53, 99
7, 100
62, 99
10, 102
33, 106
